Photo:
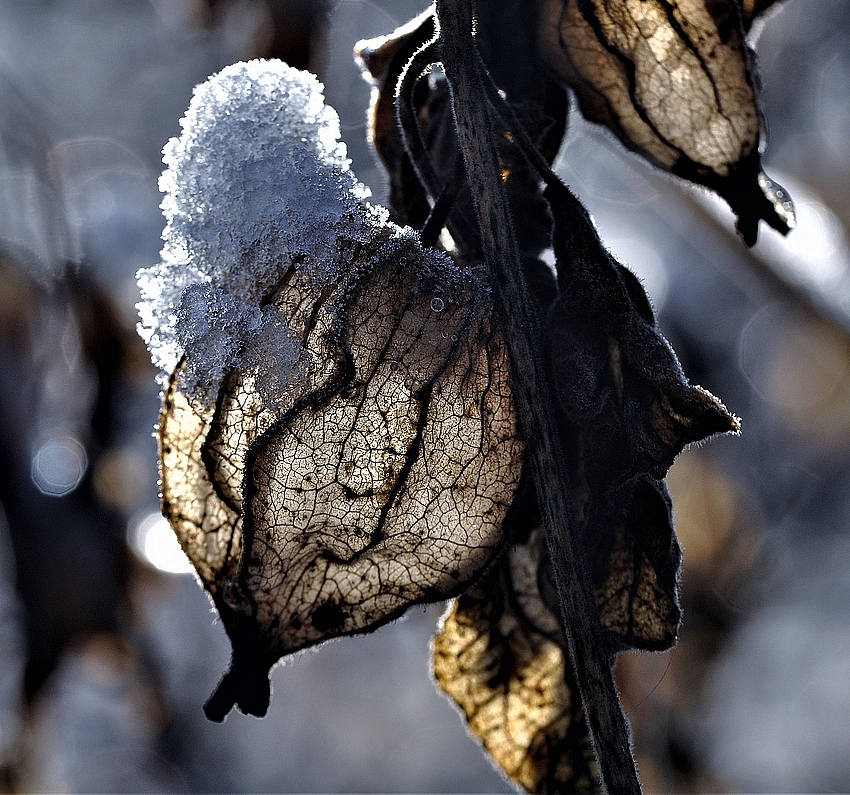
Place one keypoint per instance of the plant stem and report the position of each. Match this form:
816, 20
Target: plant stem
517, 315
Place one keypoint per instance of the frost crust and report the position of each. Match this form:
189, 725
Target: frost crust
257, 182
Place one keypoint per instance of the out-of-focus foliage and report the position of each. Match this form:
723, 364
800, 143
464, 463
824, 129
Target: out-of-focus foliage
291, 30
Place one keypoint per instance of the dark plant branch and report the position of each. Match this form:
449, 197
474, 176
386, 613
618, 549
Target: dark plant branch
408, 123
443, 193
590, 656
437, 218
511, 122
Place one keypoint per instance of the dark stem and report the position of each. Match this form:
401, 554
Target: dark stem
442, 193
408, 123
590, 655
437, 218
505, 112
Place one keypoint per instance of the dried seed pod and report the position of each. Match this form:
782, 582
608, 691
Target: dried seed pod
501, 655
676, 83
338, 440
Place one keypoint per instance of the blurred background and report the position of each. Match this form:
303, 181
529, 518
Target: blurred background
108, 647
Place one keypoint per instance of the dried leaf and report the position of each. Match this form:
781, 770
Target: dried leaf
627, 411
501, 655
349, 502
676, 83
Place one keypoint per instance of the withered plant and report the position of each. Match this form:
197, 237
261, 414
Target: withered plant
359, 417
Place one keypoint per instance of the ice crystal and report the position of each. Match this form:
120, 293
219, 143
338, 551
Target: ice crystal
257, 182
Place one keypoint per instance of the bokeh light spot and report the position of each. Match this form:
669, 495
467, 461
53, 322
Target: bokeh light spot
153, 540
59, 465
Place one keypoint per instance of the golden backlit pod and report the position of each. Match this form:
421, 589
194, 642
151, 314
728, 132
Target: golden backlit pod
676, 83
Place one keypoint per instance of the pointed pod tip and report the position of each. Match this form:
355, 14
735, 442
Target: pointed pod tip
714, 418
244, 686
222, 700
771, 203
748, 229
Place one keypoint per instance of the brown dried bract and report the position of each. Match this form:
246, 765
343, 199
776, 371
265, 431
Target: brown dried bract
382, 61
627, 410
501, 655
675, 81
379, 479
636, 576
